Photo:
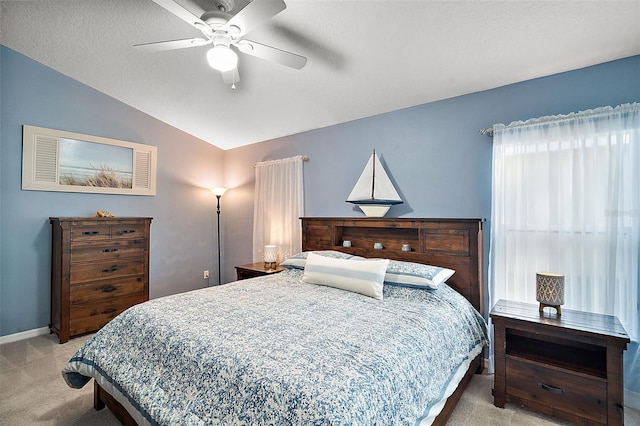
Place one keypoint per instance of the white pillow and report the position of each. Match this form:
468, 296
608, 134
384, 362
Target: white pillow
359, 276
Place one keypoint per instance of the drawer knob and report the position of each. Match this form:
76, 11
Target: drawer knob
552, 389
109, 289
112, 269
90, 232
110, 250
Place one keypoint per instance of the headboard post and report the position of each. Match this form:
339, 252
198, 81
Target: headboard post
450, 243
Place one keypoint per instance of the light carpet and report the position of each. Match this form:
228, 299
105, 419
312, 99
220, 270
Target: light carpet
33, 392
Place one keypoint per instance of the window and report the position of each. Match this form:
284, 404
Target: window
566, 199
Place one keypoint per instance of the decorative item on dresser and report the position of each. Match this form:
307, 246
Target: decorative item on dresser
550, 290
99, 268
259, 269
568, 366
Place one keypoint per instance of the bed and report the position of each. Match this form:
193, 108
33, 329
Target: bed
283, 349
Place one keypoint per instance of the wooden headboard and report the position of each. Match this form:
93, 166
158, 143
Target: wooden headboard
450, 243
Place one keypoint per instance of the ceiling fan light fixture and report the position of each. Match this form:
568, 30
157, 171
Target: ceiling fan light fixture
222, 58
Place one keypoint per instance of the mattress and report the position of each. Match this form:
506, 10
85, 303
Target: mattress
276, 350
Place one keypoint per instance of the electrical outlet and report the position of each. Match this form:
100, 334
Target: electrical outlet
205, 275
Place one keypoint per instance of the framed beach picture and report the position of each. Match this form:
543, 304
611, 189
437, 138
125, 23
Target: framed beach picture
55, 160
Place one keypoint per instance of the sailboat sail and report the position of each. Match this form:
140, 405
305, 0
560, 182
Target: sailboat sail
374, 192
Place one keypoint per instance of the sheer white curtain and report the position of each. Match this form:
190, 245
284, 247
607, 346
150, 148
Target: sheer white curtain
278, 206
566, 198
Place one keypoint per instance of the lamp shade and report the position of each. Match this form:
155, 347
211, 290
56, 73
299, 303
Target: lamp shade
219, 191
270, 254
550, 288
222, 58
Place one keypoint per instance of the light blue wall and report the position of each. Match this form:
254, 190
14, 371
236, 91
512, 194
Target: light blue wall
183, 228
433, 152
440, 164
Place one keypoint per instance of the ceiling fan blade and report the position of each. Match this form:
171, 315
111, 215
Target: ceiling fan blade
231, 77
172, 44
272, 54
255, 13
185, 15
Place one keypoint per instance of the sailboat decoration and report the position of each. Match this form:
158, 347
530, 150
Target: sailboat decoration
374, 193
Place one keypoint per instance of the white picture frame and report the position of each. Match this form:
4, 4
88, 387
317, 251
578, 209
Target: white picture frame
57, 160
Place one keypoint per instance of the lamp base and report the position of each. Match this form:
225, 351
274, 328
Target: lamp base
544, 305
270, 265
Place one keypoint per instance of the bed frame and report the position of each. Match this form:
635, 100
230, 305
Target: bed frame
450, 243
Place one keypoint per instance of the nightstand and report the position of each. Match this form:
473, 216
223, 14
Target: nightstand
568, 366
252, 270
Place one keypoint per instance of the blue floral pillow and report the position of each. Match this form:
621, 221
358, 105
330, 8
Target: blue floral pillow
299, 260
409, 274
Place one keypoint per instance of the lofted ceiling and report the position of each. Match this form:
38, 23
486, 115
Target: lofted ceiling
365, 57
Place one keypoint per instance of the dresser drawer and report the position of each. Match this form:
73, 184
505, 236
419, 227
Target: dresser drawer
91, 317
97, 232
82, 273
103, 251
120, 231
561, 390
105, 290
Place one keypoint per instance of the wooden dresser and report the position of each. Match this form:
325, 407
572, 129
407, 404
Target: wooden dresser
568, 366
99, 268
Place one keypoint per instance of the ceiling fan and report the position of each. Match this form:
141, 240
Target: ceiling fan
225, 32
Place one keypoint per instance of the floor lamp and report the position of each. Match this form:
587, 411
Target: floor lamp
219, 192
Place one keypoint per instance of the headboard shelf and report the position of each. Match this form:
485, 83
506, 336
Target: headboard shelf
450, 243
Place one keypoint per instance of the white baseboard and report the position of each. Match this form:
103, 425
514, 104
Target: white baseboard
23, 335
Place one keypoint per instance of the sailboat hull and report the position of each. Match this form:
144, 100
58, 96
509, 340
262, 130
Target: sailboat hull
374, 210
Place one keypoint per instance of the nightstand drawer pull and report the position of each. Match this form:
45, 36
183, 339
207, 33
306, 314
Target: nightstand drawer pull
127, 231
90, 233
112, 269
110, 250
552, 389
109, 289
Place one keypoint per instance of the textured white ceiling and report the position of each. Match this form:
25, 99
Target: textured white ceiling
365, 57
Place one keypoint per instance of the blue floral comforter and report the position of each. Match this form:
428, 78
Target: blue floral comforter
275, 350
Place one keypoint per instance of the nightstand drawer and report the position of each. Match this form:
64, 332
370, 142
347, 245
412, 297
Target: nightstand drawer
560, 390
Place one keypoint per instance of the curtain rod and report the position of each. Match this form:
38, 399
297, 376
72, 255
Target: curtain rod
304, 158
590, 113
